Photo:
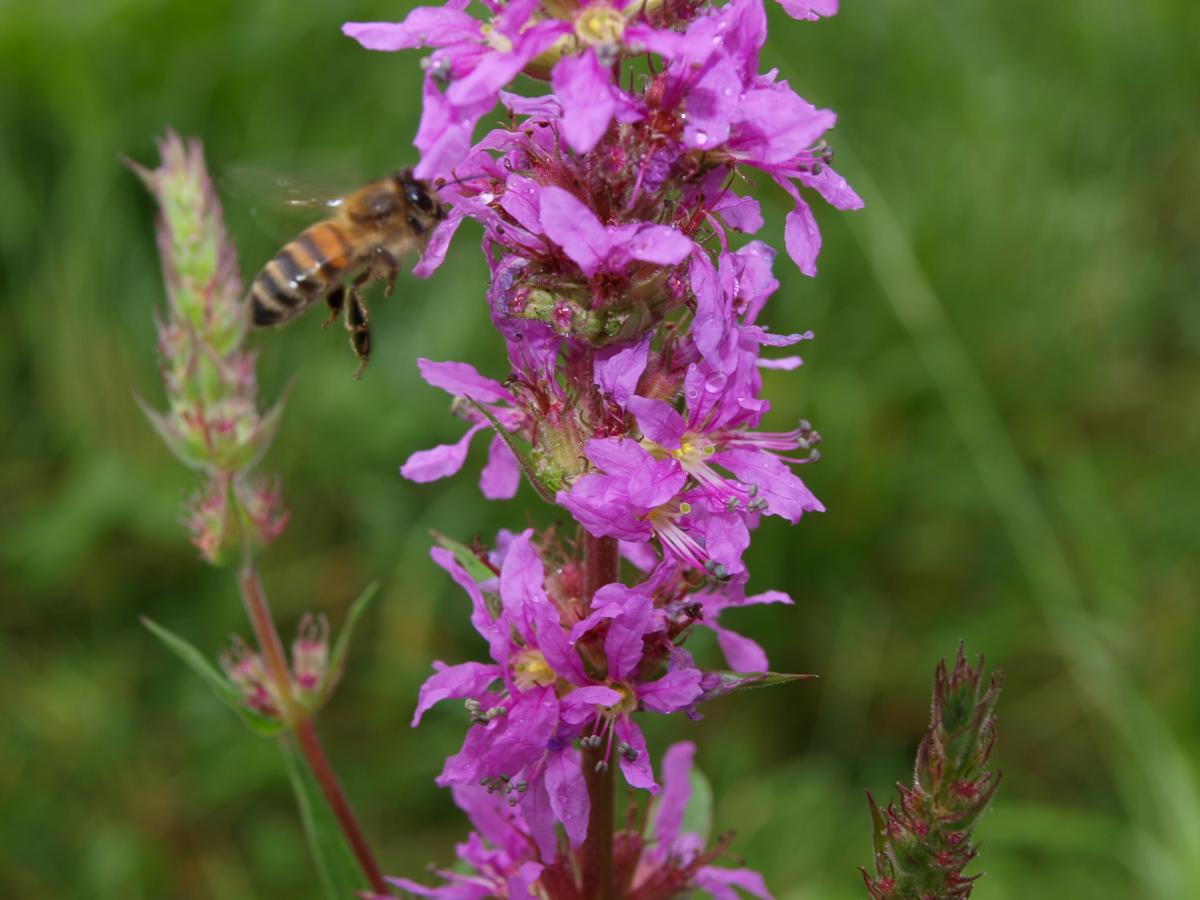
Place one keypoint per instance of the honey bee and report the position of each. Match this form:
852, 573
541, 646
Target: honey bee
369, 231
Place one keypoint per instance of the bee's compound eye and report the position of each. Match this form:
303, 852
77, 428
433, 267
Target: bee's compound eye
418, 196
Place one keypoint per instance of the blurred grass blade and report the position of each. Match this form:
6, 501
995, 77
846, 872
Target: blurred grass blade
337, 661
225, 690
335, 866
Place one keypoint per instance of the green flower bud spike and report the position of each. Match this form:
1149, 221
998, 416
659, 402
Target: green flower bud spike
923, 843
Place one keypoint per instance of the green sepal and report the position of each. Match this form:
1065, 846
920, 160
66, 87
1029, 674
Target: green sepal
519, 450
225, 689
341, 647
335, 866
466, 558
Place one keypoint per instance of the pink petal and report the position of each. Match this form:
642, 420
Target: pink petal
802, 238
575, 228
424, 27
520, 884
676, 794
558, 651
809, 9
741, 653
463, 380
580, 704
585, 89
783, 364
465, 680
521, 583
658, 421
619, 369
639, 773
720, 883
536, 809
674, 691
502, 475
740, 213
438, 462
659, 244
626, 633
568, 793
835, 190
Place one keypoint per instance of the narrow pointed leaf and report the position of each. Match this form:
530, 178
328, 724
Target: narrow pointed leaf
225, 690
519, 451
335, 866
732, 682
465, 556
341, 648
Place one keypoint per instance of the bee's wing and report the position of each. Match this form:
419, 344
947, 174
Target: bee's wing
281, 203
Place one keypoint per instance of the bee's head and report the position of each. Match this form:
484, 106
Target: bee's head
424, 208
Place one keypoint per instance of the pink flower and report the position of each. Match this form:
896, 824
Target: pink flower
475, 61
537, 698
497, 859
677, 859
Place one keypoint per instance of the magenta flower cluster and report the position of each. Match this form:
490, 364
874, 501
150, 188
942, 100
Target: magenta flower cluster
633, 321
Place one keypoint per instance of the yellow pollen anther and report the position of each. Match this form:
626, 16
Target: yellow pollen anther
599, 24
497, 40
530, 668
628, 701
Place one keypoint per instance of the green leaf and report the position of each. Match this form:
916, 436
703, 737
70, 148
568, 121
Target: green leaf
337, 660
518, 450
335, 866
744, 681
466, 557
225, 690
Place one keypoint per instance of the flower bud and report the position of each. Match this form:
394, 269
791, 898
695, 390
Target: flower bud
923, 844
212, 421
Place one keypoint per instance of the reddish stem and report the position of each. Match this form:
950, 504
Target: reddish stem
314, 753
601, 566
304, 730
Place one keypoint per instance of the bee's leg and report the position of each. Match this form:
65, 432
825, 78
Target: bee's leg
359, 326
335, 300
387, 269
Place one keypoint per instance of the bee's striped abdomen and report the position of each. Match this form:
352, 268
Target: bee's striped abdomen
303, 271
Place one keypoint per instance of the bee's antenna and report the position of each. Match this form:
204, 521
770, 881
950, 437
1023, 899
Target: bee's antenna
439, 183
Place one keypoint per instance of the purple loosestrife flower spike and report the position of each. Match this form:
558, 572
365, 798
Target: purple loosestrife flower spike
212, 422
923, 843
636, 338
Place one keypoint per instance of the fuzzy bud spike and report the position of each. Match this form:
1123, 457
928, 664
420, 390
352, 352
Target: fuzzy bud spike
922, 847
212, 421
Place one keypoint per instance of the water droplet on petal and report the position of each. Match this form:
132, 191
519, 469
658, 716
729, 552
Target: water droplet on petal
715, 383
701, 138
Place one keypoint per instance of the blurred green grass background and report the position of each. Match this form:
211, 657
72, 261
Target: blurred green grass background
1006, 377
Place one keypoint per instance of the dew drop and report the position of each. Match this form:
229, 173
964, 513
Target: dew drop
487, 197
701, 138
715, 383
